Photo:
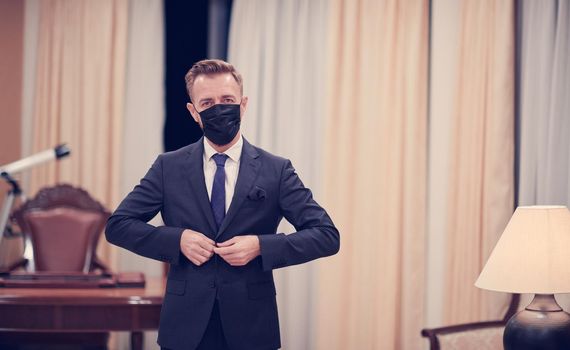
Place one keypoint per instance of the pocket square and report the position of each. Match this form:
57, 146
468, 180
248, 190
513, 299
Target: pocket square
256, 194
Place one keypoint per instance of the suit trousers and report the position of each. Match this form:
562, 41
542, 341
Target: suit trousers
213, 338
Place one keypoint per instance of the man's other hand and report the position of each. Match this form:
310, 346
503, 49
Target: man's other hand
239, 250
196, 247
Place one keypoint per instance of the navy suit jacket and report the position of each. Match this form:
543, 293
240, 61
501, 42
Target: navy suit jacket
267, 190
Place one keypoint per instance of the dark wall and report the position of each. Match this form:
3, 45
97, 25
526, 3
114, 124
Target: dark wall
186, 30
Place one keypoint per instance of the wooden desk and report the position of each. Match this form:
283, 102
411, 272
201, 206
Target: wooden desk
83, 310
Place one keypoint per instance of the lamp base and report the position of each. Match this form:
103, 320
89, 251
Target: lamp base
542, 325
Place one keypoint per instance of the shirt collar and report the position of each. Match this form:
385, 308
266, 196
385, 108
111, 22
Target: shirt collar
234, 152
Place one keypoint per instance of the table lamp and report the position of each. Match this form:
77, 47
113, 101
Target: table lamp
533, 256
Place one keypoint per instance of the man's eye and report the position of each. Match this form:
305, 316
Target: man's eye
206, 104
229, 100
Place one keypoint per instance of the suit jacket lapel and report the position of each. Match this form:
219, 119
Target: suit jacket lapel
249, 167
195, 174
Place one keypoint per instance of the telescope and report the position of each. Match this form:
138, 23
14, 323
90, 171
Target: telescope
57, 152
6, 172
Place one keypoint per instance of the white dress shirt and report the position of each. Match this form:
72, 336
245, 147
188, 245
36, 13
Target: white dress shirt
231, 167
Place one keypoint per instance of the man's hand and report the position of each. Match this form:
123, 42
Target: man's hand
239, 250
196, 247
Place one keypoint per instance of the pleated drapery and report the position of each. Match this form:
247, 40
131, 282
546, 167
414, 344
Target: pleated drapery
481, 164
545, 103
143, 120
279, 48
79, 96
369, 295
340, 87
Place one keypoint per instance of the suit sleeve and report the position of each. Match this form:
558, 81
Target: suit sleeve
128, 227
316, 234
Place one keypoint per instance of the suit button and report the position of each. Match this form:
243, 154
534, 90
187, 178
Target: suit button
212, 284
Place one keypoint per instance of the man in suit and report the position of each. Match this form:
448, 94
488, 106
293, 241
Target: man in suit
221, 200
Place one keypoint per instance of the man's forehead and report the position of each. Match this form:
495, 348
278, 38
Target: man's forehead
215, 85
222, 77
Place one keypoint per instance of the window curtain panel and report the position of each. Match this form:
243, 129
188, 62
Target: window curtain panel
31, 34
143, 121
544, 108
279, 47
144, 112
371, 295
445, 22
545, 103
12, 33
481, 164
79, 95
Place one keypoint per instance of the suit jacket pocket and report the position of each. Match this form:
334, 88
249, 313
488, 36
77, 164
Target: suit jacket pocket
259, 290
256, 194
177, 287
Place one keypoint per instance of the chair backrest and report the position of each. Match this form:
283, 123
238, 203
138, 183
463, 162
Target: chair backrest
64, 224
490, 338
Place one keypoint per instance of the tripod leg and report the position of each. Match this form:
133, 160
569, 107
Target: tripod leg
5, 214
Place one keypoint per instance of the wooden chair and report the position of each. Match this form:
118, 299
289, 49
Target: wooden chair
63, 225
486, 335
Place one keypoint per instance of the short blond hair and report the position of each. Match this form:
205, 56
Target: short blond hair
210, 67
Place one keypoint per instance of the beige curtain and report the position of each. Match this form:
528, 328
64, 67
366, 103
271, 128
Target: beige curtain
11, 41
285, 116
481, 179
370, 295
78, 93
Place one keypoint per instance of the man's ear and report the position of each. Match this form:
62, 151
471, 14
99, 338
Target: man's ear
193, 112
243, 106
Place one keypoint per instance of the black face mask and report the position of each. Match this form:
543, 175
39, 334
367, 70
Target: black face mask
221, 123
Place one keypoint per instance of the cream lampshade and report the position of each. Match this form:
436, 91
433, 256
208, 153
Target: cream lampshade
533, 253
533, 256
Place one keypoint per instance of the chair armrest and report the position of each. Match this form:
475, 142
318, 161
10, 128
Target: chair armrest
98, 264
20, 263
433, 333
